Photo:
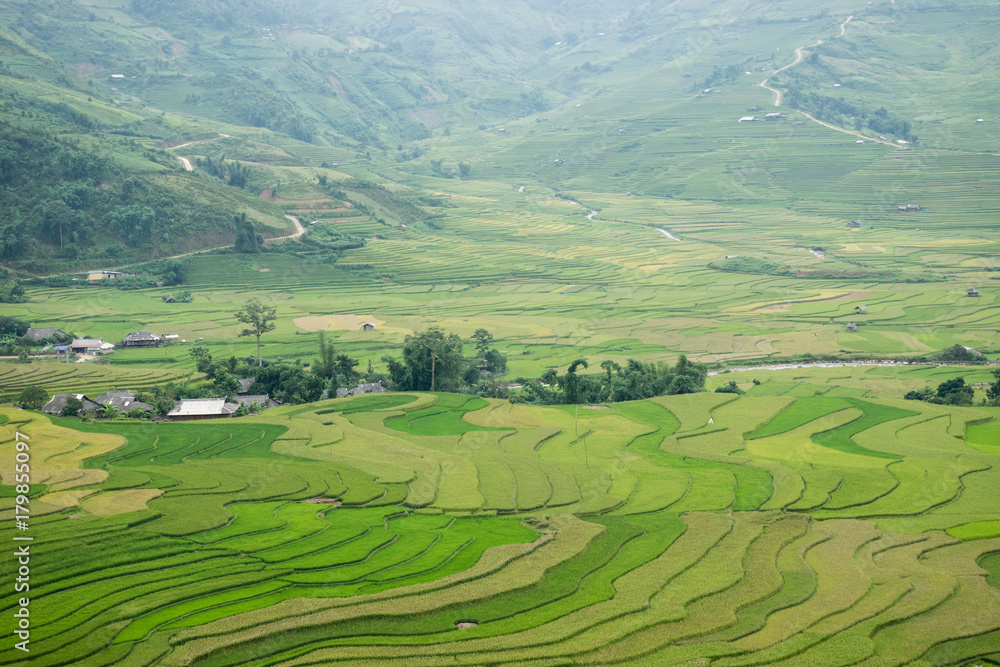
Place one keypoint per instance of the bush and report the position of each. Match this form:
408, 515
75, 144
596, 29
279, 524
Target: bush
72, 407
33, 398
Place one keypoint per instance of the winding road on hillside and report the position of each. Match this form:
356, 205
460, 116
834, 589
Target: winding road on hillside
798, 58
186, 162
299, 231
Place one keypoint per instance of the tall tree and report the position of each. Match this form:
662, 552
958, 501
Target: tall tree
247, 238
570, 383
432, 361
260, 319
993, 392
482, 339
326, 365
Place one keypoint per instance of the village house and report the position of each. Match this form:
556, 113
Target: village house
58, 402
747, 119
38, 334
262, 401
852, 327
190, 409
368, 326
141, 339
908, 208
854, 224
245, 384
105, 274
775, 116
365, 388
861, 309
972, 291
123, 400
90, 346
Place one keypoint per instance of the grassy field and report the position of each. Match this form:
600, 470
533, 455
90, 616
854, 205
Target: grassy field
435, 529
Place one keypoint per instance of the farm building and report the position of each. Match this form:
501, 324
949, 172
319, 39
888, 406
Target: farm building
190, 409
90, 346
368, 326
747, 119
366, 388
908, 208
854, 224
123, 400
972, 291
861, 309
141, 339
58, 402
42, 333
263, 401
775, 116
245, 384
852, 327
105, 274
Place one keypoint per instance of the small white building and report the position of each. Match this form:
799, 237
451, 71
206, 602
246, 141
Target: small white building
188, 409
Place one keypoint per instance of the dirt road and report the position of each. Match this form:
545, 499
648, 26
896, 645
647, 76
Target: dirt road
299, 231
843, 26
186, 162
798, 59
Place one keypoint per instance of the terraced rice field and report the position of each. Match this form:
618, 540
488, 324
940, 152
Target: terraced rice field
81, 379
435, 529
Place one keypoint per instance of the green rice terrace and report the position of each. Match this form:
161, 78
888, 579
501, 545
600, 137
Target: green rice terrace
778, 527
756, 186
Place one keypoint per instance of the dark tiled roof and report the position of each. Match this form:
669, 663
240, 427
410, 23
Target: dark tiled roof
41, 333
366, 388
262, 400
105, 398
58, 402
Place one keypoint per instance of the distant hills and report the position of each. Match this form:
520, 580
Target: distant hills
99, 101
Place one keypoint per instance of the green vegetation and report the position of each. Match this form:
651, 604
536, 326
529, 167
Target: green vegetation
491, 196
644, 529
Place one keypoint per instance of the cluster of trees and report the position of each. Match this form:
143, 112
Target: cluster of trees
11, 291
464, 170
956, 392
828, 108
55, 194
433, 361
14, 342
233, 173
248, 240
959, 354
329, 243
284, 382
634, 381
